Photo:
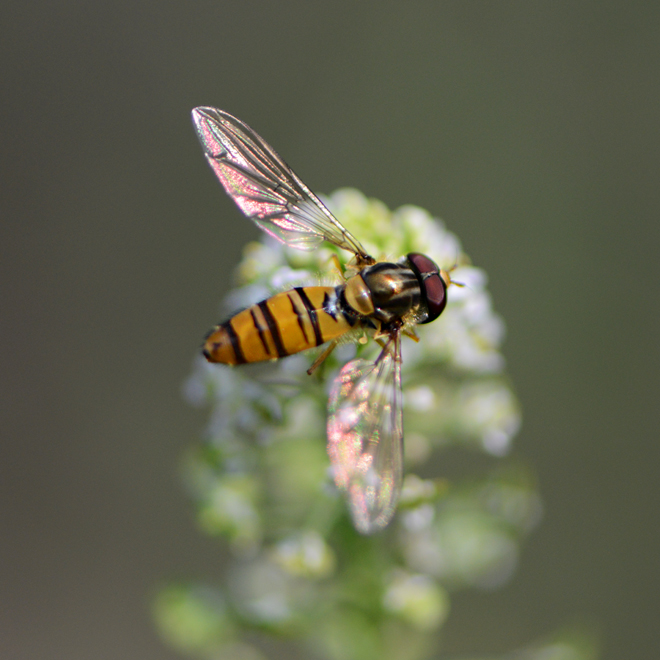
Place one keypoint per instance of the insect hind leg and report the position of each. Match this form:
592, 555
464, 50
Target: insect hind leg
322, 356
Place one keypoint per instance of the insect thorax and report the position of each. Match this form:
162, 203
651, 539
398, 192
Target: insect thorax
385, 291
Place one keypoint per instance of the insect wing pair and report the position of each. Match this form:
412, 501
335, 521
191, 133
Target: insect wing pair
365, 425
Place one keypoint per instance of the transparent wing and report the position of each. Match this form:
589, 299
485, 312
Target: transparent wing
365, 436
264, 187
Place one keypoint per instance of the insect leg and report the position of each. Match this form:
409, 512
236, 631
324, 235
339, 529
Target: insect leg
321, 358
412, 334
337, 265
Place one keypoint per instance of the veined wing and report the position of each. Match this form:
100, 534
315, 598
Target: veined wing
365, 436
264, 187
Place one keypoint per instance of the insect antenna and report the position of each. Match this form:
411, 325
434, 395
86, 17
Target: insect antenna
446, 276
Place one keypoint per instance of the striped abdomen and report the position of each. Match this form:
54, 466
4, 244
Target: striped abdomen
285, 324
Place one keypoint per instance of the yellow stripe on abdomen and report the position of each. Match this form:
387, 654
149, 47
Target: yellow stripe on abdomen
285, 324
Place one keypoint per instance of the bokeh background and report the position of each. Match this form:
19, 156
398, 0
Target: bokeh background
530, 127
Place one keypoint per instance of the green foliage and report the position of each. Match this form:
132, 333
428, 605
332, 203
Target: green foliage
299, 570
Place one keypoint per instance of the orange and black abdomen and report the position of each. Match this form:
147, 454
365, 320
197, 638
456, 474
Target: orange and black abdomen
285, 324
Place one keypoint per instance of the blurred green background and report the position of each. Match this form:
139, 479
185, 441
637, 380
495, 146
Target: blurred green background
531, 128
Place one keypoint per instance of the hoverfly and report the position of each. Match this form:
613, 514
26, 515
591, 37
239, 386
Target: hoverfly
365, 422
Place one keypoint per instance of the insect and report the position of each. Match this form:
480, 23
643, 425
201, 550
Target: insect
365, 421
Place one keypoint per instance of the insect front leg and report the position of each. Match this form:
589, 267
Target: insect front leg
412, 334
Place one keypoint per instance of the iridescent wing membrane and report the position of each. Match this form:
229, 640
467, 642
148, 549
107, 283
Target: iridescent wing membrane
264, 187
365, 436
365, 426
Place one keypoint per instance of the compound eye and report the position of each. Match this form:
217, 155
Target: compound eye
436, 296
423, 264
434, 290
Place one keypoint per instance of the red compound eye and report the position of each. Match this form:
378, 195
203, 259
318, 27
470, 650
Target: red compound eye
433, 288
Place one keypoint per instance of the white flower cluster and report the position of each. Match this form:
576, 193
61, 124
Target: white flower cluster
261, 481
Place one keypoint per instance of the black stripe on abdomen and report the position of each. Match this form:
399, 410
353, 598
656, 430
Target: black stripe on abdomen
300, 314
274, 329
261, 331
312, 314
235, 343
